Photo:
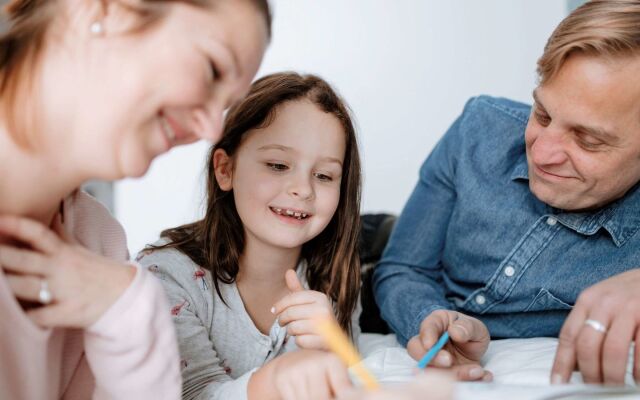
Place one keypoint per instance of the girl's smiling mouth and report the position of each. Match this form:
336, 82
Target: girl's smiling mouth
290, 213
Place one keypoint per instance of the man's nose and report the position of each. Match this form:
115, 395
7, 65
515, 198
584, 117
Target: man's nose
549, 148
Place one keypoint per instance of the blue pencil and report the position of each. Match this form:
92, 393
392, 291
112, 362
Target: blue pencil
426, 359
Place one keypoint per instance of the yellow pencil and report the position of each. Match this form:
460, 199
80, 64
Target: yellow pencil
340, 344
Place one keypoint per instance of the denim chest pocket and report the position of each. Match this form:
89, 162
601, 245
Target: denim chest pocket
546, 301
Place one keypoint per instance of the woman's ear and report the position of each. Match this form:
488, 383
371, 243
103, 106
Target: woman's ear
120, 16
223, 167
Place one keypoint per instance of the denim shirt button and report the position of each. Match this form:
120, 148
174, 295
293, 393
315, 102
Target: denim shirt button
480, 299
509, 271
551, 221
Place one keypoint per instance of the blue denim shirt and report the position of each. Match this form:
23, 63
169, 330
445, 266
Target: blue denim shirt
473, 238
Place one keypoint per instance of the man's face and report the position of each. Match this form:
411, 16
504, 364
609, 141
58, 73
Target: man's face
583, 136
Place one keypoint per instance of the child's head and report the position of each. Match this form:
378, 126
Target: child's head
287, 173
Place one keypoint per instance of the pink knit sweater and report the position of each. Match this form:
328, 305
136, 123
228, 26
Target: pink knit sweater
129, 353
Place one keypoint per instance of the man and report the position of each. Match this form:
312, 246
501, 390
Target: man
524, 215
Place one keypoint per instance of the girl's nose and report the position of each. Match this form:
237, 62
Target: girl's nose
301, 188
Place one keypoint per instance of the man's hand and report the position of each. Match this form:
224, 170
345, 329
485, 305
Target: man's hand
598, 332
469, 340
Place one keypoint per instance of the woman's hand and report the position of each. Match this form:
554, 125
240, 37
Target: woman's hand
597, 334
301, 374
298, 311
82, 285
468, 341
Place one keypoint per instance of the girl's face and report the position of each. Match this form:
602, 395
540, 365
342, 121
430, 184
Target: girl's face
122, 98
286, 177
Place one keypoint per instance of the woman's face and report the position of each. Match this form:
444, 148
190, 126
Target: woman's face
118, 100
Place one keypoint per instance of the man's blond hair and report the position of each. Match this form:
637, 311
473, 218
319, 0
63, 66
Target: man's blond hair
601, 28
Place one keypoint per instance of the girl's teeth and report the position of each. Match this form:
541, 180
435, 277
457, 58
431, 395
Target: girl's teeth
289, 213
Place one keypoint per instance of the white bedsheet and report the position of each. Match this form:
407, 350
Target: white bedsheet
521, 369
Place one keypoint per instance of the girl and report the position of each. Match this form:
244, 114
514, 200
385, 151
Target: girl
97, 89
277, 244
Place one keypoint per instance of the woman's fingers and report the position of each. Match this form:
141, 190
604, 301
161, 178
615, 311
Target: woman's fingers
30, 232
23, 261
49, 316
24, 287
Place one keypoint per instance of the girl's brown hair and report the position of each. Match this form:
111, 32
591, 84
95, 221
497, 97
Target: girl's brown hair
603, 28
217, 241
21, 46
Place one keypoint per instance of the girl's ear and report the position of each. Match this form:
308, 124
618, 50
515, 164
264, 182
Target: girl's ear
223, 167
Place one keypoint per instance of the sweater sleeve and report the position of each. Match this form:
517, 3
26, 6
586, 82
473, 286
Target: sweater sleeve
132, 348
204, 375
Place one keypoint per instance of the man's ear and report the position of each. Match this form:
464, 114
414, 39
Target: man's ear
223, 167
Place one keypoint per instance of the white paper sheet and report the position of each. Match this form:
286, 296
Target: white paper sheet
521, 369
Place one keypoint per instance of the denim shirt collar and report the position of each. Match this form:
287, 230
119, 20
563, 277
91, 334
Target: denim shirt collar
621, 218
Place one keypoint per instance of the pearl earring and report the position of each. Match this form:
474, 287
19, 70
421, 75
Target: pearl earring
96, 28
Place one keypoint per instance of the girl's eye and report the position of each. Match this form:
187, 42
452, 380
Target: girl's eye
277, 166
323, 177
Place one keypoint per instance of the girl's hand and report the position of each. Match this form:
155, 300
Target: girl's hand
298, 311
301, 374
82, 285
437, 384
469, 340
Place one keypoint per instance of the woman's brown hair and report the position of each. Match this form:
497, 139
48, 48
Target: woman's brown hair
601, 28
217, 241
22, 43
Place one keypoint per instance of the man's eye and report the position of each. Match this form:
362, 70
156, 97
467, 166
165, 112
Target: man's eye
543, 119
589, 144
277, 166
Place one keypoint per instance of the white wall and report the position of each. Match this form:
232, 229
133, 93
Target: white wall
406, 67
